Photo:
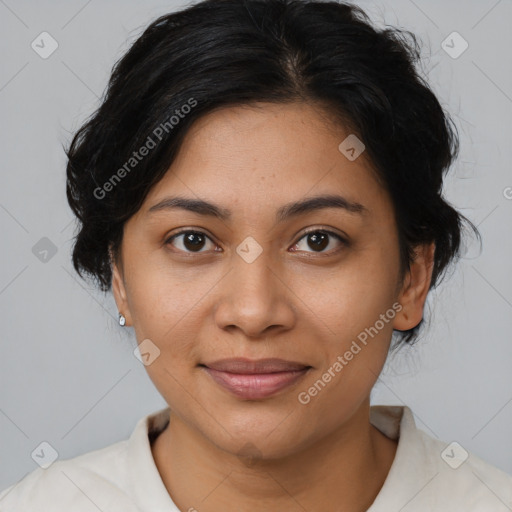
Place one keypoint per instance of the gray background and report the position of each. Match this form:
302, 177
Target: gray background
67, 372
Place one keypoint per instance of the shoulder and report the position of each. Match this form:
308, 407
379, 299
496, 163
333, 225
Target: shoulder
457, 479
95, 480
431, 474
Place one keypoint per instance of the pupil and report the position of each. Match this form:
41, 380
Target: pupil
189, 239
319, 239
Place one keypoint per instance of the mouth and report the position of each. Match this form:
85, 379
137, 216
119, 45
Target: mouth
255, 379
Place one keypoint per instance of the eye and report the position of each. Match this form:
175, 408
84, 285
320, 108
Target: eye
190, 241
318, 239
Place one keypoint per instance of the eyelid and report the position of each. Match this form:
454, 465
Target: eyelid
329, 231
188, 230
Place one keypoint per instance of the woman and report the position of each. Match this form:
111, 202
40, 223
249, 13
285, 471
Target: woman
261, 190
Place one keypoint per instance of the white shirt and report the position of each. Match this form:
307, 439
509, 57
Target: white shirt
123, 477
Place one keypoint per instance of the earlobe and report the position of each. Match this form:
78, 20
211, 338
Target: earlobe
415, 289
119, 291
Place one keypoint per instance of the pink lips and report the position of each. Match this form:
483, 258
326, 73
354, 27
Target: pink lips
253, 379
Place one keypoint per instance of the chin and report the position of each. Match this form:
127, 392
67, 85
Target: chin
251, 444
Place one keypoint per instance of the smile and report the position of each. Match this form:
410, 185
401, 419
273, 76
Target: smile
255, 380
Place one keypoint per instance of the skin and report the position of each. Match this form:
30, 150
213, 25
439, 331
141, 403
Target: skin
221, 452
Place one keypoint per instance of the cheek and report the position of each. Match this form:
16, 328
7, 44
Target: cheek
160, 292
358, 310
352, 297
169, 308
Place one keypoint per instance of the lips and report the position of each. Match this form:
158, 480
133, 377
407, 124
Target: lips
255, 379
248, 366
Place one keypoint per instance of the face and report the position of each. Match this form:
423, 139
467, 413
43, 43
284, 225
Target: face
304, 286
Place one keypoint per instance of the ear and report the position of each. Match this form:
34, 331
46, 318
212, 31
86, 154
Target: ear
119, 290
415, 288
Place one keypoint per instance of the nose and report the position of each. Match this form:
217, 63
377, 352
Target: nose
255, 299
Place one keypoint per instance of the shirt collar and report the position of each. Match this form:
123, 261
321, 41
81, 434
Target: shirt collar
411, 464
148, 490
395, 422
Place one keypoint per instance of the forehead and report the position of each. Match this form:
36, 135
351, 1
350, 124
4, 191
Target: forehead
265, 156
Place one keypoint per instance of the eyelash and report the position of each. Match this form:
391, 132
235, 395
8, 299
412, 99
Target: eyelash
343, 241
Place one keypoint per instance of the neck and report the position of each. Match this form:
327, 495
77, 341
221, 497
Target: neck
343, 471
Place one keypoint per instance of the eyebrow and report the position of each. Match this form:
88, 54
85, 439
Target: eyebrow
285, 212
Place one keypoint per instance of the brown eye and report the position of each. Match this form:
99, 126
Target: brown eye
189, 241
318, 240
